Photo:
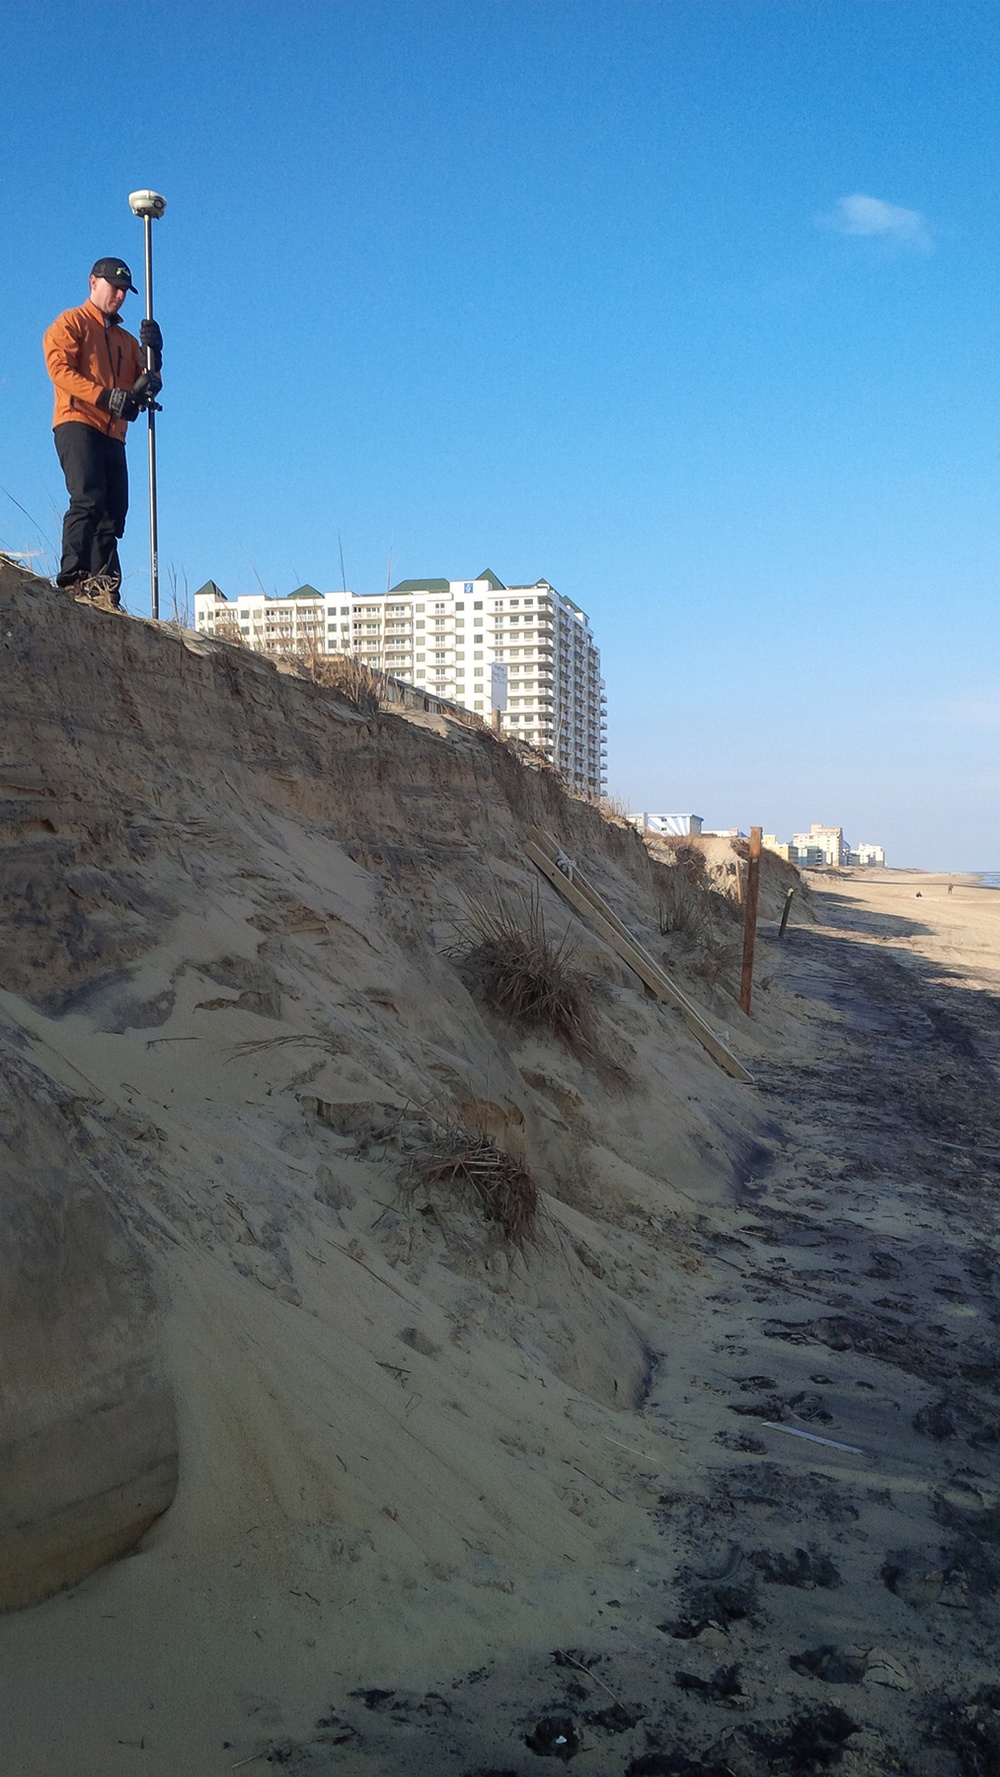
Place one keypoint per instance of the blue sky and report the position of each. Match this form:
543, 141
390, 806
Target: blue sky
688, 306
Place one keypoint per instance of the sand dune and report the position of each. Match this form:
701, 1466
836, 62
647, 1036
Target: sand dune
413, 1459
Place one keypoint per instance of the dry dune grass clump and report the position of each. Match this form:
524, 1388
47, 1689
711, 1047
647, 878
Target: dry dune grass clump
227, 629
707, 920
480, 1174
523, 973
362, 685
683, 907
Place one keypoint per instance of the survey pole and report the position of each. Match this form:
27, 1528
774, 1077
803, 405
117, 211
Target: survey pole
149, 206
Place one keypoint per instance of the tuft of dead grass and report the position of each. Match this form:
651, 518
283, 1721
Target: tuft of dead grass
227, 629
682, 907
480, 1174
696, 912
363, 686
523, 972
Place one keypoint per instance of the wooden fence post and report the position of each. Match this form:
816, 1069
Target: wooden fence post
750, 919
785, 911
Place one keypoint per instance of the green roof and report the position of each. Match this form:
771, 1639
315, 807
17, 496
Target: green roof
445, 585
210, 590
305, 592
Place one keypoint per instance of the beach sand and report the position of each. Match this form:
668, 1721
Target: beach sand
705, 1472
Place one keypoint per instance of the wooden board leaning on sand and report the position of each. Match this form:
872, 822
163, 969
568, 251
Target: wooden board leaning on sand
566, 876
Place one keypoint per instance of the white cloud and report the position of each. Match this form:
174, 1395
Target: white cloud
873, 217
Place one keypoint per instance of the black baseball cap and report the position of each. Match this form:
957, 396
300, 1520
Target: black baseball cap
115, 271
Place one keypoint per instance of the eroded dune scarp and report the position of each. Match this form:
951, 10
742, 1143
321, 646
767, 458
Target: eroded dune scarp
398, 1490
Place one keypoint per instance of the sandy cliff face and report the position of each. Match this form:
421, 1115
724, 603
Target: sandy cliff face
229, 1019
700, 1476
88, 1457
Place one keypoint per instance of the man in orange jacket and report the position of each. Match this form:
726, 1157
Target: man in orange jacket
101, 383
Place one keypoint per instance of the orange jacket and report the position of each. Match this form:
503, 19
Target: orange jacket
83, 356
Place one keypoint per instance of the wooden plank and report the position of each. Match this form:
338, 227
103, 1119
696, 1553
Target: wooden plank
583, 898
571, 890
553, 851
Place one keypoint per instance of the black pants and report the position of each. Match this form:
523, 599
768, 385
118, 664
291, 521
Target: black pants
97, 484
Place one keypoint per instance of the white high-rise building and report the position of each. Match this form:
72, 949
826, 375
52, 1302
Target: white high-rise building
444, 636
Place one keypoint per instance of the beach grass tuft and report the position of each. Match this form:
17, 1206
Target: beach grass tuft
523, 972
482, 1175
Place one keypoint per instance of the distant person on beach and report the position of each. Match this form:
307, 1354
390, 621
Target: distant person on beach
101, 383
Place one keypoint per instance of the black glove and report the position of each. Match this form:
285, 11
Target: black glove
146, 389
150, 335
120, 403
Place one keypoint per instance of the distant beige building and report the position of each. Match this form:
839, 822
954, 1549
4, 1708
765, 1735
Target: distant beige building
825, 848
820, 846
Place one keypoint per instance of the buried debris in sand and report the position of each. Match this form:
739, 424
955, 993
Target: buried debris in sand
794, 1431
